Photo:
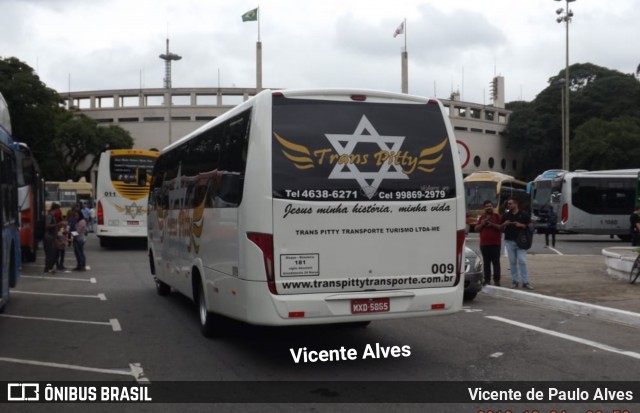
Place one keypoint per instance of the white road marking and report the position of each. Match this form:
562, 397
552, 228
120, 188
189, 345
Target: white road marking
90, 280
100, 296
496, 355
590, 343
555, 250
135, 370
113, 322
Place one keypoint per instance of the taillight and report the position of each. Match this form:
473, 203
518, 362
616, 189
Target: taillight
265, 243
100, 214
459, 254
565, 213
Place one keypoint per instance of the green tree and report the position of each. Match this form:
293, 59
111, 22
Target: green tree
80, 141
32, 105
600, 144
595, 93
65, 144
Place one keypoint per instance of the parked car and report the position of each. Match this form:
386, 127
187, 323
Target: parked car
473, 274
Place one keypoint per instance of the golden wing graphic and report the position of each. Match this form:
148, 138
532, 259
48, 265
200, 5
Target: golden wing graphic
120, 209
300, 161
428, 156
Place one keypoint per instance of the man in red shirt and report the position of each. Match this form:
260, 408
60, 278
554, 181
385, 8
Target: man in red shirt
488, 226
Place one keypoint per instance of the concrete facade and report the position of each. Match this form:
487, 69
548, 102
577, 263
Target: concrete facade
478, 128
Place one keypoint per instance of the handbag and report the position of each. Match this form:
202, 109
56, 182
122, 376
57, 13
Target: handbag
524, 239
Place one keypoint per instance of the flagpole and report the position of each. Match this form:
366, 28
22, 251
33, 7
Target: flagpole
405, 62
258, 23
405, 34
258, 58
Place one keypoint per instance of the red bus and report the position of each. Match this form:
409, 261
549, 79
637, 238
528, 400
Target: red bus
31, 202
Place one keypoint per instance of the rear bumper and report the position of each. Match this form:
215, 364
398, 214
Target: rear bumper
264, 308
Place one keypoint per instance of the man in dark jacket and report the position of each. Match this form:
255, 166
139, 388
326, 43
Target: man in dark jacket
514, 221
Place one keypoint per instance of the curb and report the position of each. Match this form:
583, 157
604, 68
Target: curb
619, 261
603, 313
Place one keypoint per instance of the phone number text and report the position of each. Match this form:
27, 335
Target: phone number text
412, 195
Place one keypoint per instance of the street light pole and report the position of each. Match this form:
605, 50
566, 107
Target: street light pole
566, 17
168, 57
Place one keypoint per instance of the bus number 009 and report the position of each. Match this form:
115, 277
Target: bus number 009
442, 268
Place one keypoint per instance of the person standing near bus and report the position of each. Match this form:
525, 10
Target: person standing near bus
48, 241
552, 225
634, 220
513, 221
488, 225
79, 240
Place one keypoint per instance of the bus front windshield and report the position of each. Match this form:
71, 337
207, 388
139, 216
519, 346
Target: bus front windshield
477, 193
541, 194
131, 169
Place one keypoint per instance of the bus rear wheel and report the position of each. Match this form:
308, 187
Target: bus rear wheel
209, 322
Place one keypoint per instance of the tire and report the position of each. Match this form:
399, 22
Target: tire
635, 271
209, 322
469, 296
162, 288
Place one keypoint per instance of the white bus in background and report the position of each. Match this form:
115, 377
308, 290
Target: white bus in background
122, 191
310, 207
595, 202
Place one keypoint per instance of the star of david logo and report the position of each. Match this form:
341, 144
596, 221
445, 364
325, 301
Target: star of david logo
133, 210
345, 144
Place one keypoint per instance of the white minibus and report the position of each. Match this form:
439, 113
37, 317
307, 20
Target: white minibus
310, 207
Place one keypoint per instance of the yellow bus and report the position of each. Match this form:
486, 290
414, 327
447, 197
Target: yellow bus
492, 186
68, 193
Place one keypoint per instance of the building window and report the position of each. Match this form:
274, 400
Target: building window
460, 128
476, 161
503, 163
491, 162
475, 113
476, 130
462, 111
489, 115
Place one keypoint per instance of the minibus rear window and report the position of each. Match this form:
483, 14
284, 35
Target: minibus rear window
327, 150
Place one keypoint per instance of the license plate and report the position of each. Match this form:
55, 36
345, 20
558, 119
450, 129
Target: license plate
373, 305
133, 222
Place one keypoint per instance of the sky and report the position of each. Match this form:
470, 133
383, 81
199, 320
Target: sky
82, 45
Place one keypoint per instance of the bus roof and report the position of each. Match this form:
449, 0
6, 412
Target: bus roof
609, 172
491, 176
80, 185
550, 174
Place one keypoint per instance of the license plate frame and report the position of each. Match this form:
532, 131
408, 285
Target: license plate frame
371, 305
